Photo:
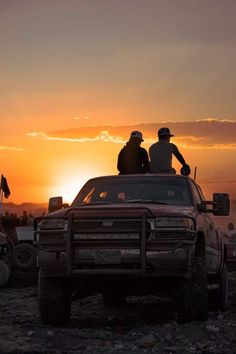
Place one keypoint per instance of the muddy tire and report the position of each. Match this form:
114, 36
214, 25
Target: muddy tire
218, 298
54, 300
193, 294
114, 300
24, 256
185, 301
4, 273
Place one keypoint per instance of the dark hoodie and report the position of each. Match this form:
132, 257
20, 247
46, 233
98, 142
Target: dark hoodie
132, 159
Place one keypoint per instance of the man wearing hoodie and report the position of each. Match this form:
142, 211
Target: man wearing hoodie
133, 158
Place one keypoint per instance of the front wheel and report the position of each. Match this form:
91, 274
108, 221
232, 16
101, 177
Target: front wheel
54, 300
193, 294
218, 298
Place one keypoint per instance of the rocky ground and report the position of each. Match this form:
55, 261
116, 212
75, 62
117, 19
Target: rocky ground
144, 325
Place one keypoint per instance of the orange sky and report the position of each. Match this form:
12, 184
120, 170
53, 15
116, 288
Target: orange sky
78, 76
59, 162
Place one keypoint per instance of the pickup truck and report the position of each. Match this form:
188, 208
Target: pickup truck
129, 235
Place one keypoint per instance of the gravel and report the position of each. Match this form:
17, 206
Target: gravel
144, 325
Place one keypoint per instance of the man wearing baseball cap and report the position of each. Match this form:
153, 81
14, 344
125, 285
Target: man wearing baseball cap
161, 154
132, 157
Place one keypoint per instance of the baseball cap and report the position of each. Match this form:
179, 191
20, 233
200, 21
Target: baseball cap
136, 134
164, 131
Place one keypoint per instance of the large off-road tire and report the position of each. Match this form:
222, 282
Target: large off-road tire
114, 299
24, 256
218, 298
193, 294
54, 300
4, 273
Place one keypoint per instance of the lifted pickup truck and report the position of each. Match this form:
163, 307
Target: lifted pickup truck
133, 235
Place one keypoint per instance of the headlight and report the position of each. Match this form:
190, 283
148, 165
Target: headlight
171, 222
53, 224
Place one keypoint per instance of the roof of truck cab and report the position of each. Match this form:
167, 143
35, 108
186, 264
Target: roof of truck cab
148, 175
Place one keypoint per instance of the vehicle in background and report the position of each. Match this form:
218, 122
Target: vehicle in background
133, 235
25, 254
16, 251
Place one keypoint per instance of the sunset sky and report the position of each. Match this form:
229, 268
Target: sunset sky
78, 76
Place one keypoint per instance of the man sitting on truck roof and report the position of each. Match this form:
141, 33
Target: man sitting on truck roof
133, 158
161, 155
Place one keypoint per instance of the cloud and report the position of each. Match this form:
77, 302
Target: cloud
11, 148
103, 136
81, 118
215, 120
207, 133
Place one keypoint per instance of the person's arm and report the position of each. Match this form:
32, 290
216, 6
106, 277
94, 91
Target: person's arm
178, 155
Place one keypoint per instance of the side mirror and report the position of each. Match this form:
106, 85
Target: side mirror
55, 203
221, 204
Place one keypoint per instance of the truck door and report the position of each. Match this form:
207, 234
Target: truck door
210, 232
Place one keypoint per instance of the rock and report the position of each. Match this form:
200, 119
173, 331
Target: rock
213, 328
90, 348
50, 333
30, 333
119, 346
180, 337
169, 337
108, 345
147, 340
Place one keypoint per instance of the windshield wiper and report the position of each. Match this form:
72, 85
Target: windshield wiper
145, 201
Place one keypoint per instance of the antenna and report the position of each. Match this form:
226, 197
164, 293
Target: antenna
195, 173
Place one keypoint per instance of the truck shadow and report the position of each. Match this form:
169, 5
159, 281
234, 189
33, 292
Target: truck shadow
137, 312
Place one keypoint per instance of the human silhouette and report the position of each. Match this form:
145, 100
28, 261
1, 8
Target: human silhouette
132, 157
161, 154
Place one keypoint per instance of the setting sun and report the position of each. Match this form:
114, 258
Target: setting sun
90, 73
68, 186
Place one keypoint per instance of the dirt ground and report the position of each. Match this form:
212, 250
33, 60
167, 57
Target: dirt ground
144, 325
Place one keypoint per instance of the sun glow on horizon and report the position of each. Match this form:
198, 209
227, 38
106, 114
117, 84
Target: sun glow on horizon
69, 186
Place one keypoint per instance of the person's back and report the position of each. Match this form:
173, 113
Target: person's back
161, 157
161, 154
132, 157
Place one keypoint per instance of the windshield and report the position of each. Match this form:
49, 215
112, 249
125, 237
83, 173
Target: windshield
156, 190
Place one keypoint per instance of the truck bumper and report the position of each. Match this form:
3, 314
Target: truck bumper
175, 261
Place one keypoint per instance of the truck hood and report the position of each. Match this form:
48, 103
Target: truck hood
128, 209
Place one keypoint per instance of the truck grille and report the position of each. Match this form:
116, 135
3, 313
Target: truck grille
106, 225
106, 236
